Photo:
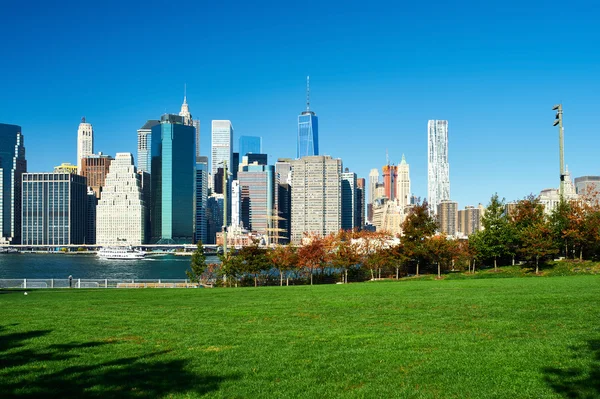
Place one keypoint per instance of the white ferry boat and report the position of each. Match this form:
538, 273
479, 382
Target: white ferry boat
126, 253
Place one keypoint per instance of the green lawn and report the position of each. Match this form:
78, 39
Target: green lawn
477, 338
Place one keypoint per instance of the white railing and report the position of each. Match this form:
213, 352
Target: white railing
26, 283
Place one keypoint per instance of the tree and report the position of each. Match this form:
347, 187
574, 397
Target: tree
538, 242
560, 223
312, 254
399, 257
492, 241
439, 250
197, 264
231, 268
345, 253
284, 259
418, 225
254, 260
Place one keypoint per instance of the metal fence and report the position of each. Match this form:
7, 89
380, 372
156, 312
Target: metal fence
27, 283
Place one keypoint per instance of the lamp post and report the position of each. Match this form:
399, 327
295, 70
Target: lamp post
559, 121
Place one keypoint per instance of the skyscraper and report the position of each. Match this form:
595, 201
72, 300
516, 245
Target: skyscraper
144, 144
95, 168
373, 181
257, 197
403, 183
308, 129
222, 138
54, 209
121, 209
12, 166
250, 145
390, 174
316, 196
173, 177
447, 216
438, 171
85, 141
360, 203
201, 199
349, 195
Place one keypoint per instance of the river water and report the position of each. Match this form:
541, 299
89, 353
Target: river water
60, 266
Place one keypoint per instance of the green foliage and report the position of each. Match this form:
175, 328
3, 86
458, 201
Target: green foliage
197, 264
479, 338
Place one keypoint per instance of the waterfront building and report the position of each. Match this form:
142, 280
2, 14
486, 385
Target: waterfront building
360, 203
403, 183
257, 198
283, 170
121, 210
250, 145
316, 196
66, 167
95, 168
588, 186
54, 209
144, 145
12, 166
235, 165
85, 141
201, 224
469, 220
214, 217
222, 139
438, 170
90, 224
235, 204
251, 158
173, 177
447, 216
390, 175
349, 188
308, 129
146, 197
284, 212
387, 216
550, 197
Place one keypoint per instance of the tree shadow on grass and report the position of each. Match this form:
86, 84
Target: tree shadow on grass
578, 382
57, 371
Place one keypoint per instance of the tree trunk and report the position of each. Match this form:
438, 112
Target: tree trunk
580, 254
287, 280
255, 280
311, 276
513, 260
473, 266
346, 276
417, 268
280, 278
439, 270
495, 265
372, 275
379, 273
397, 271
536, 264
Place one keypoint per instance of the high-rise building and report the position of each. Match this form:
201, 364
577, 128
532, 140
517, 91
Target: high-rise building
360, 203
469, 219
90, 224
95, 168
214, 217
257, 198
251, 158
121, 209
144, 144
54, 209
308, 129
283, 170
316, 196
250, 145
201, 199
222, 150
284, 212
235, 165
173, 177
146, 197
403, 183
235, 204
373, 181
588, 186
447, 216
85, 141
12, 166
348, 200
438, 171
390, 175
65, 167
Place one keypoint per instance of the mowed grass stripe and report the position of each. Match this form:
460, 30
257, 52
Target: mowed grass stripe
482, 338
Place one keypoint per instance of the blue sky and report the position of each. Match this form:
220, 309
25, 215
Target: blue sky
379, 71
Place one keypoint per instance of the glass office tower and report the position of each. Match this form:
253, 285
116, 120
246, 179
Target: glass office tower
250, 144
173, 177
308, 134
12, 166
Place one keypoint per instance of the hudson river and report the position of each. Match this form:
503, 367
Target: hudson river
60, 266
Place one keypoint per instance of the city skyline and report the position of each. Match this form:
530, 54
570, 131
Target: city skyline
495, 88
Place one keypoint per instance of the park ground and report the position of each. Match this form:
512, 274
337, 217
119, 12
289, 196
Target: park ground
452, 338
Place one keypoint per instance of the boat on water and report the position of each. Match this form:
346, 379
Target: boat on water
126, 253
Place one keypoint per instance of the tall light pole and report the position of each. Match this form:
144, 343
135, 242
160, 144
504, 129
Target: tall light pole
561, 144
225, 208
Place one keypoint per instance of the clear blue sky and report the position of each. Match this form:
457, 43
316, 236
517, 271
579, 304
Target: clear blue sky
379, 71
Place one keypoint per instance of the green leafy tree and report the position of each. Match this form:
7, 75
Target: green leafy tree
232, 268
440, 251
254, 260
399, 257
285, 259
197, 264
560, 223
418, 225
345, 253
492, 243
538, 242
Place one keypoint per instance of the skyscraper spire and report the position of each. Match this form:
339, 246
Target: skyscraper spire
308, 94
185, 93
185, 109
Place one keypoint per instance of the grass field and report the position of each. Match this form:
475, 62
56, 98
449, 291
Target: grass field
478, 338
